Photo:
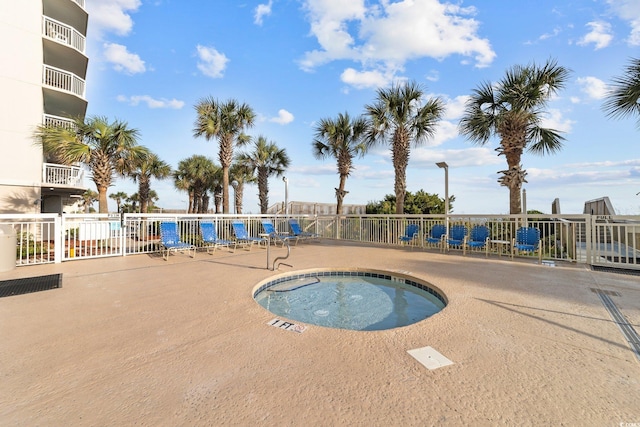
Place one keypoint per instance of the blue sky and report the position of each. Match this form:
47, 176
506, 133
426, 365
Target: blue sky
297, 61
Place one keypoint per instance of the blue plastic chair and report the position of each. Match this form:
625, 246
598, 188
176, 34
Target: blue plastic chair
210, 237
527, 240
270, 229
457, 236
410, 234
242, 236
478, 239
170, 241
436, 235
296, 230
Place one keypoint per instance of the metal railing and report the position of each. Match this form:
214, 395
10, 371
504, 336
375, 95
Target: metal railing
50, 120
63, 80
70, 176
63, 33
559, 234
610, 241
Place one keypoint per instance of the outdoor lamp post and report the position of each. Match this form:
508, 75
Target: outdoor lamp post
286, 194
445, 166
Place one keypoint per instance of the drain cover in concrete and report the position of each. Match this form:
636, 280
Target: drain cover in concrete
30, 284
430, 357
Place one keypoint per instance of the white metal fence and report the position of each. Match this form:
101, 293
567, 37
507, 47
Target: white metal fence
609, 241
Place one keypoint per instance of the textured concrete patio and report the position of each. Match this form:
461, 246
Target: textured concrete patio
141, 341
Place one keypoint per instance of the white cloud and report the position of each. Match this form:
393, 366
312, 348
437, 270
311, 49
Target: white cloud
455, 107
262, 10
366, 79
593, 87
555, 120
152, 102
600, 35
212, 63
433, 76
628, 10
550, 35
284, 117
111, 16
122, 60
383, 37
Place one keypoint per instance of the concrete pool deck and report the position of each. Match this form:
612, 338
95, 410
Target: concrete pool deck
141, 341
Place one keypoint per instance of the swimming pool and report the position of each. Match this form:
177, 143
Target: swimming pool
358, 300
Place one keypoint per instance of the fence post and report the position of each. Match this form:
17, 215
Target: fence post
58, 240
590, 224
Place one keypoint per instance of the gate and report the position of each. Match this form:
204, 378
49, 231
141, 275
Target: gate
615, 242
92, 236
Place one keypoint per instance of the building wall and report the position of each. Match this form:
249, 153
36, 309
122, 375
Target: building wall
21, 107
23, 50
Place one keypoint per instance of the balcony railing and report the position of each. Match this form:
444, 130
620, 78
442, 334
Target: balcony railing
50, 120
63, 33
70, 176
63, 80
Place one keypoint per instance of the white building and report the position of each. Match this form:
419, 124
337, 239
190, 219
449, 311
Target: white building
42, 80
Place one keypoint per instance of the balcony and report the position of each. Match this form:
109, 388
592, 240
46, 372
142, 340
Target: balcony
63, 34
50, 120
61, 175
63, 81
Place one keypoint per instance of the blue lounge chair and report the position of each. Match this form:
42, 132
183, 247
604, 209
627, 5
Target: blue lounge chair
457, 236
436, 235
242, 236
296, 230
527, 240
410, 234
170, 241
478, 239
270, 229
210, 238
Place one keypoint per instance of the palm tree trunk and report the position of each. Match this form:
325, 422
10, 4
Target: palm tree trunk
238, 196
225, 188
515, 200
340, 193
143, 193
263, 190
513, 179
400, 154
103, 204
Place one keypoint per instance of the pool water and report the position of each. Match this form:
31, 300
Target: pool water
357, 303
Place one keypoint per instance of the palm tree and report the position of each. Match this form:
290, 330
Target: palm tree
88, 198
240, 174
265, 160
341, 139
513, 109
214, 185
196, 175
149, 167
133, 202
623, 98
118, 197
225, 121
152, 199
399, 116
108, 149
